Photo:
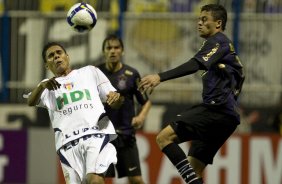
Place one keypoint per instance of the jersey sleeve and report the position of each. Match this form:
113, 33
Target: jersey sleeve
212, 52
47, 99
104, 85
186, 68
43, 98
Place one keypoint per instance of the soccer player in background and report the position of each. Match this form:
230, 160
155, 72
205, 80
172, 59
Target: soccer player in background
209, 124
74, 99
125, 79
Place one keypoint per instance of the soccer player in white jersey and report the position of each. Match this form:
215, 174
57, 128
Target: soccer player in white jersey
74, 99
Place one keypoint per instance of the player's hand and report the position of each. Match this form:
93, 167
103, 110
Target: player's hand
137, 122
51, 84
148, 83
114, 99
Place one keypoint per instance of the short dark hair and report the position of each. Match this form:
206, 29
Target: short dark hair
218, 12
47, 46
112, 37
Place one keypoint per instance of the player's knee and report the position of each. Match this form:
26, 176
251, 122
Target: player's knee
94, 179
161, 140
135, 180
165, 137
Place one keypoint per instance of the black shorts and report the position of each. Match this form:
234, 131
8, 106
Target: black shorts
207, 128
128, 163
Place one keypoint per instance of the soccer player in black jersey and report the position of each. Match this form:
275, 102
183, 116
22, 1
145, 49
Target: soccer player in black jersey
209, 124
125, 79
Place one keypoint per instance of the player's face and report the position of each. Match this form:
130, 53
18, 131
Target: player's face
57, 61
113, 51
207, 26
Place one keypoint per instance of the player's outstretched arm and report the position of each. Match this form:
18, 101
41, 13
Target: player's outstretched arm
149, 82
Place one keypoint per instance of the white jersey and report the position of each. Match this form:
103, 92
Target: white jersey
76, 107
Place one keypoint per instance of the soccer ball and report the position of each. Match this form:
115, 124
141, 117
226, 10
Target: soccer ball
82, 17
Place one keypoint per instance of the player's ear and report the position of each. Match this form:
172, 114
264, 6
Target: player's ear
218, 24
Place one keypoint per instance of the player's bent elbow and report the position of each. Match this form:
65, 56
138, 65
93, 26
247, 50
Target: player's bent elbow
31, 102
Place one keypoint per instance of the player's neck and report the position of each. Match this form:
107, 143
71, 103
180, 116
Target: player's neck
65, 73
114, 67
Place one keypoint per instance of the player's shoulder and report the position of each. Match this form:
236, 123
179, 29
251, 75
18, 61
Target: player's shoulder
220, 37
88, 68
215, 40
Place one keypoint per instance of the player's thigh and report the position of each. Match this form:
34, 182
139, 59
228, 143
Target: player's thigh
99, 155
205, 124
189, 124
166, 136
128, 161
205, 149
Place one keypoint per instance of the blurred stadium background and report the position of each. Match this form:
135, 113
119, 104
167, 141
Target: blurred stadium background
158, 35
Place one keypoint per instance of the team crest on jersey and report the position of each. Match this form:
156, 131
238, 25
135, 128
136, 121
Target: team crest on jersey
68, 86
127, 72
212, 52
122, 82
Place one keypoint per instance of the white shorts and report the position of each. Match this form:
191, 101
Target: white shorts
89, 154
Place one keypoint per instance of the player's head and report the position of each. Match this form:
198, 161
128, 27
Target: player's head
56, 58
112, 49
212, 19
112, 37
47, 46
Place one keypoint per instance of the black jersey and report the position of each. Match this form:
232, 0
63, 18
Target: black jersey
126, 82
223, 75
